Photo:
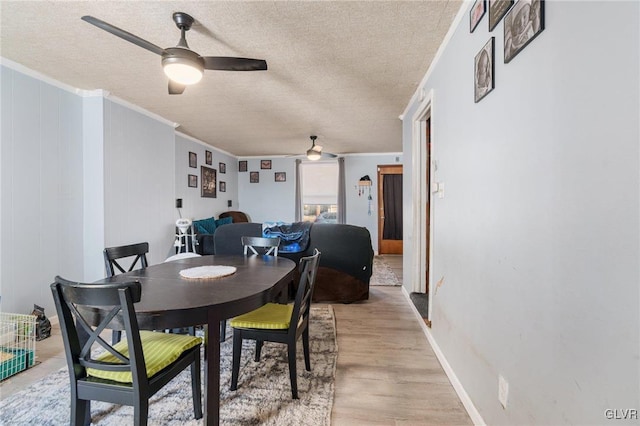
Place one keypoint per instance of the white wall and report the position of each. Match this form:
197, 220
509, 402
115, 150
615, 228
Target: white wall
193, 205
41, 194
537, 237
139, 185
357, 166
268, 200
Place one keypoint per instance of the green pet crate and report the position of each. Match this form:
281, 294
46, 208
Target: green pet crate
17, 343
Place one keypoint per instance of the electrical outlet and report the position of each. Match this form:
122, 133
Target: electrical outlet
503, 391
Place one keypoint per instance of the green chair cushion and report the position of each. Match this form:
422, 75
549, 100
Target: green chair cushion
159, 350
271, 316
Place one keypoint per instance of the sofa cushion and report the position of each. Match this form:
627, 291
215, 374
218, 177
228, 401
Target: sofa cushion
224, 221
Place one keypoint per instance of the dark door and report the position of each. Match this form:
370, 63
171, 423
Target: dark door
390, 209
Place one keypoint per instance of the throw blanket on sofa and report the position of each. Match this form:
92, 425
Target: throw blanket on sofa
294, 237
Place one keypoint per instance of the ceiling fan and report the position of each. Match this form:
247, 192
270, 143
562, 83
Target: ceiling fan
315, 152
182, 65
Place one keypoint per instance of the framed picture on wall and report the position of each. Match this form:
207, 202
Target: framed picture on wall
222, 168
483, 73
265, 164
497, 9
254, 177
281, 176
193, 160
478, 10
208, 157
242, 166
208, 187
522, 24
223, 186
193, 181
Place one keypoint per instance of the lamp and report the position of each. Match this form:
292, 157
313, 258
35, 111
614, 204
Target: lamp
313, 155
182, 65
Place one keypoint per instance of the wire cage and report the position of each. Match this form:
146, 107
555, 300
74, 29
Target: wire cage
17, 343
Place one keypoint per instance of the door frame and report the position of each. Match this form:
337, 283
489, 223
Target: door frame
419, 190
381, 168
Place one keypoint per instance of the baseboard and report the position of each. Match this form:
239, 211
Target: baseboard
476, 418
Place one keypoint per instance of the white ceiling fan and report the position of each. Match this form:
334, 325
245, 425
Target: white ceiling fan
315, 152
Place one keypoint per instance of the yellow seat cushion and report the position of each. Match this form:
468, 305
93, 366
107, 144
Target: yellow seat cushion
271, 316
159, 350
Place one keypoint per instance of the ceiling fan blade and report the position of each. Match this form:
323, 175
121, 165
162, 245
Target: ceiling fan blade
226, 63
328, 155
125, 35
176, 88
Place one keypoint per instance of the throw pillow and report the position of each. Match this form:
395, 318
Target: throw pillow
205, 226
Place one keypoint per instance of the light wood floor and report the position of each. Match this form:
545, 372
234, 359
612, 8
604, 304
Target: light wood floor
387, 374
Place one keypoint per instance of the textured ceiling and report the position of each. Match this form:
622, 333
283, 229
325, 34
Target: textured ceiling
342, 70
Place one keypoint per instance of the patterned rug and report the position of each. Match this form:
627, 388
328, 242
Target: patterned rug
382, 273
263, 396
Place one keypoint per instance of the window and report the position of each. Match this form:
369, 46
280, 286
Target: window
319, 192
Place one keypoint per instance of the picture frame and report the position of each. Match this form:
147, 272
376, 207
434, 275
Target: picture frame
222, 168
497, 9
223, 186
193, 160
280, 176
476, 13
208, 157
484, 66
265, 164
254, 177
523, 23
192, 181
242, 166
208, 185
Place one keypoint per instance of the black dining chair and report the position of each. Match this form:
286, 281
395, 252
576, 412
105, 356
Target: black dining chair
279, 323
257, 246
113, 256
260, 246
126, 373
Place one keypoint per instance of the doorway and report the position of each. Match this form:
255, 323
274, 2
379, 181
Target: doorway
390, 209
423, 189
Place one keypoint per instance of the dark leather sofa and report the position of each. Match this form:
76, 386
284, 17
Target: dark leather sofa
345, 263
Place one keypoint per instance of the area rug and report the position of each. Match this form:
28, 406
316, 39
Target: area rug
263, 396
382, 273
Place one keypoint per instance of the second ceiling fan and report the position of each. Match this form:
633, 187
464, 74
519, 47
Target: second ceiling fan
182, 65
315, 152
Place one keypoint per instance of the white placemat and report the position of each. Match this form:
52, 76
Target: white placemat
208, 271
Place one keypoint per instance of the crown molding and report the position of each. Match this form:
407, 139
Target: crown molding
206, 145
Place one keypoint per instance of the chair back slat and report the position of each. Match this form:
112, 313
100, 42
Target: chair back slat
113, 254
269, 246
302, 305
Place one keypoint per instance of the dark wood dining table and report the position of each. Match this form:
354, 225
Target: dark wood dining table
170, 301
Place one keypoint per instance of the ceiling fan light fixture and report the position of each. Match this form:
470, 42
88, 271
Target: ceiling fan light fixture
183, 72
183, 66
313, 155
